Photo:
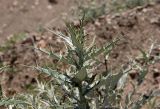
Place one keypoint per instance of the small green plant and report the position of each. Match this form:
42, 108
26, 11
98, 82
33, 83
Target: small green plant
80, 87
12, 40
119, 5
134, 3
91, 9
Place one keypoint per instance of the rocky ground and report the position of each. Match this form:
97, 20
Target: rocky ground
19, 16
138, 28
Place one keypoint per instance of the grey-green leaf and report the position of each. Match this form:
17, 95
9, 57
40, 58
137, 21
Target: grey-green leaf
53, 73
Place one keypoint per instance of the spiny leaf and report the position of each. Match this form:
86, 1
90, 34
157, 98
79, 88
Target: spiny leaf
53, 73
122, 81
144, 55
110, 81
143, 73
54, 55
62, 36
113, 79
3, 68
75, 37
8, 101
128, 98
67, 40
106, 49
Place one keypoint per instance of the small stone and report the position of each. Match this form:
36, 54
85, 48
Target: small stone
155, 20
109, 21
33, 7
49, 7
1, 31
76, 23
15, 3
97, 23
42, 44
156, 70
37, 2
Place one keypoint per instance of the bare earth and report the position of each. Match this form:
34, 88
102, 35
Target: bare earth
140, 27
29, 15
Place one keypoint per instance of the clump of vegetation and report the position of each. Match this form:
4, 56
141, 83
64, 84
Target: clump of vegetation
118, 5
91, 8
80, 87
134, 3
95, 8
12, 40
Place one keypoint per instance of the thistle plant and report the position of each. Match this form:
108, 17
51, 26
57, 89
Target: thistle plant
79, 86
78, 81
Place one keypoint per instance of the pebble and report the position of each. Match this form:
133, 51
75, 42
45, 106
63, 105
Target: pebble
49, 7
42, 44
15, 3
97, 23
